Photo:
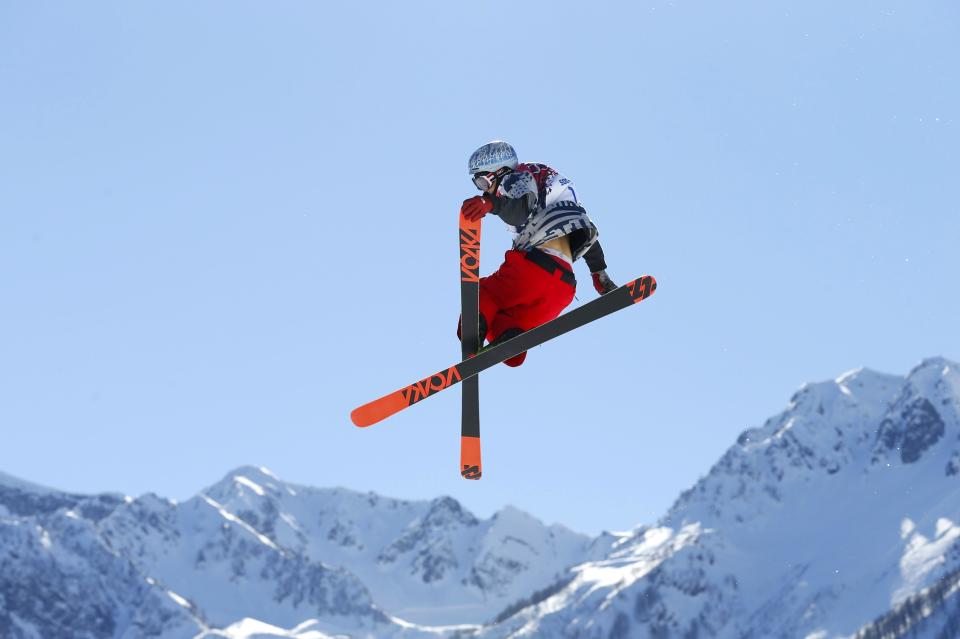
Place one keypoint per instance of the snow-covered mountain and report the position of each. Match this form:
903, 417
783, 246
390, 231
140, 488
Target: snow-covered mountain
257, 548
840, 517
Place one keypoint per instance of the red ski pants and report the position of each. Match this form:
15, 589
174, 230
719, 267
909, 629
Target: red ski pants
522, 295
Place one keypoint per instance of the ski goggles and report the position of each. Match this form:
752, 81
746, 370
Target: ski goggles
483, 180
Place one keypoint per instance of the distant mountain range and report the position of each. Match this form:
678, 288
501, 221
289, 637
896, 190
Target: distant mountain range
839, 517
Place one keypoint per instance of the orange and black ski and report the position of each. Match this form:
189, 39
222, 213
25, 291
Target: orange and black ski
470, 342
618, 299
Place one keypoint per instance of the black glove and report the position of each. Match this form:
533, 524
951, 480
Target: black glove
602, 282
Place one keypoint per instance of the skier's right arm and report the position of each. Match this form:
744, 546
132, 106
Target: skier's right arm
512, 211
516, 198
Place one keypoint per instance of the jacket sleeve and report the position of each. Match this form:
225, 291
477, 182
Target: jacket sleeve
512, 211
594, 258
516, 198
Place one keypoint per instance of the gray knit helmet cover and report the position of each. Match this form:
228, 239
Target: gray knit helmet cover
492, 156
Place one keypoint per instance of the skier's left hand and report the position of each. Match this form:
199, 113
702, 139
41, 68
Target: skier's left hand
476, 207
602, 282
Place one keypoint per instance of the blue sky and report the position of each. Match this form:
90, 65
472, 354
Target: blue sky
225, 225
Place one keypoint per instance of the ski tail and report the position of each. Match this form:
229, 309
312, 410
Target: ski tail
641, 288
470, 466
471, 340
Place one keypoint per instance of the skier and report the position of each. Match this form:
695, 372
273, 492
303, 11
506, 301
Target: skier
535, 282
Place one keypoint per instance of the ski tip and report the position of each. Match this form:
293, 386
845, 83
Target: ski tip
469, 250
361, 417
472, 225
377, 410
642, 288
470, 467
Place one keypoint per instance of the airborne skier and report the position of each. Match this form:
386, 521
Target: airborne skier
517, 307
536, 281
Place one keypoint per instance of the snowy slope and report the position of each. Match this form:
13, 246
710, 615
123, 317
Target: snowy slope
827, 517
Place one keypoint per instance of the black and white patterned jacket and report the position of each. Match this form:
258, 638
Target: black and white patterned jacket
542, 205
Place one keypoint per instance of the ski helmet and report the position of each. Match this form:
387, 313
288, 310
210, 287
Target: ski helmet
491, 157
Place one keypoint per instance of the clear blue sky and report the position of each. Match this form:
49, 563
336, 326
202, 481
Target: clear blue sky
223, 225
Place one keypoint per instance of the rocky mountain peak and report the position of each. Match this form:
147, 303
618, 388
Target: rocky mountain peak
924, 418
247, 483
447, 511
